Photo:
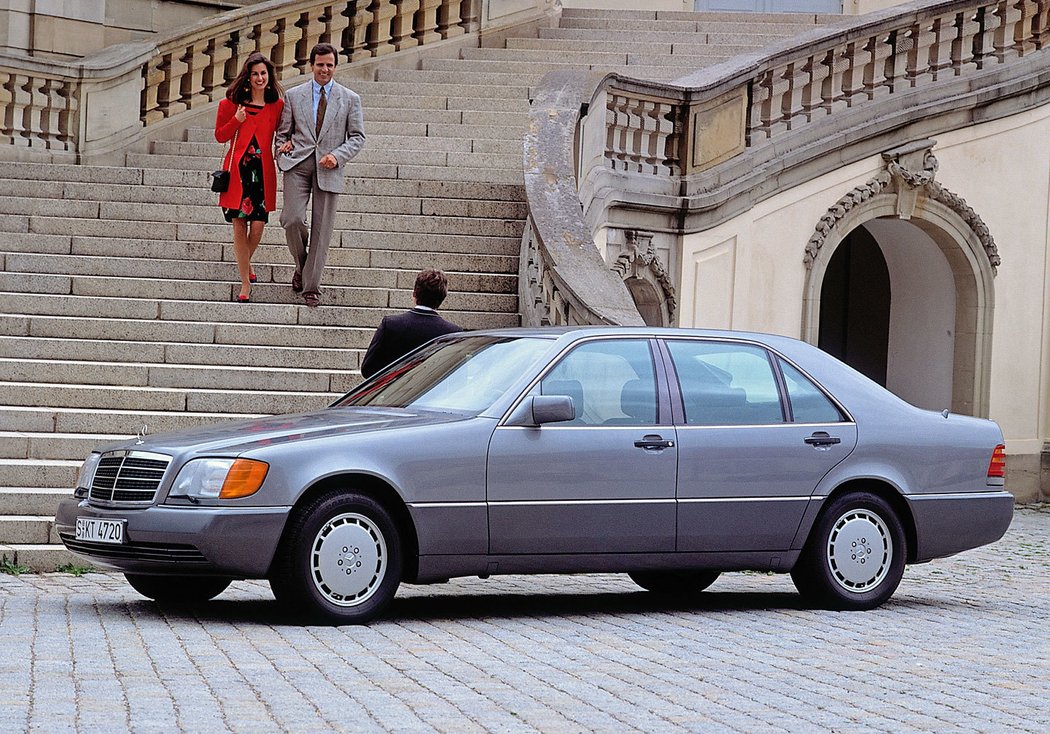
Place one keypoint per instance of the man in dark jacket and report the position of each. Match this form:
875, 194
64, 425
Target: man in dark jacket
399, 335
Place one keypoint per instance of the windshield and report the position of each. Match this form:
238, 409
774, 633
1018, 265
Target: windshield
464, 375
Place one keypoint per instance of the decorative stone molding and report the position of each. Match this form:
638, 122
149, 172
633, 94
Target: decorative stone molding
909, 174
641, 263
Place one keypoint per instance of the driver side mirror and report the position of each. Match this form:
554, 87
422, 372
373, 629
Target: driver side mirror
539, 409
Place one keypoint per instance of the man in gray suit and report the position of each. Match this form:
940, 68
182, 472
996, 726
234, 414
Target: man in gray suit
322, 128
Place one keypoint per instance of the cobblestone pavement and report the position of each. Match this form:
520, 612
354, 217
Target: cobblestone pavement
963, 646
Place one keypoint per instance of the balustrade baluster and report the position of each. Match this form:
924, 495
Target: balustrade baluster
355, 37
7, 108
940, 55
964, 45
21, 103
1041, 24
785, 99
285, 40
425, 22
336, 23
879, 71
213, 80
1024, 28
761, 105
917, 48
191, 87
67, 115
675, 125
312, 26
168, 87
816, 71
1006, 17
47, 123
379, 28
402, 28
469, 14
851, 77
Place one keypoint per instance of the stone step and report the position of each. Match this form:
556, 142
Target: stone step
736, 29
51, 445
166, 376
112, 350
41, 558
28, 529
117, 422
158, 269
488, 255
718, 17
203, 135
404, 85
626, 63
155, 398
725, 43
38, 473
193, 156
199, 179
32, 500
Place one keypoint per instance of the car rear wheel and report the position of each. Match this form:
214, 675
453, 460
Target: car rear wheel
854, 558
340, 561
679, 583
177, 588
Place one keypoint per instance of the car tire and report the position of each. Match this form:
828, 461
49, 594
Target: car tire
340, 560
854, 556
177, 588
677, 583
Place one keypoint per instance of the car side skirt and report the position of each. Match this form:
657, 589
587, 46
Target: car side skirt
440, 568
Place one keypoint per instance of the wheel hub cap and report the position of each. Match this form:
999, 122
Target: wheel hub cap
859, 551
348, 561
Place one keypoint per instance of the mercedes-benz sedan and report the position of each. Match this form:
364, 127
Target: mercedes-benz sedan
670, 455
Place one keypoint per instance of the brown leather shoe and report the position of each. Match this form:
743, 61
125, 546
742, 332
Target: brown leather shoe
297, 282
312, 300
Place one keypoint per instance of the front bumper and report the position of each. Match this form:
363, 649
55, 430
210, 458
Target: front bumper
946, 524
219, 541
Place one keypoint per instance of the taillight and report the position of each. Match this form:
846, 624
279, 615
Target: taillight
997, 466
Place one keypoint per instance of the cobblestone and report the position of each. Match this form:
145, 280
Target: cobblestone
962, 647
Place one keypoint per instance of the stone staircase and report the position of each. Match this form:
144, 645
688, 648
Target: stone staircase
116, 283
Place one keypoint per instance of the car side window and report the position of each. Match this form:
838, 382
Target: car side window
725, 383
612, 382
808, 403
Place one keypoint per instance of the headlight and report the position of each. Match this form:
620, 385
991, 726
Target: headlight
86, 475
219, 478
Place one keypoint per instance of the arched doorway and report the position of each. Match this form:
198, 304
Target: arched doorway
888, 309
904, 267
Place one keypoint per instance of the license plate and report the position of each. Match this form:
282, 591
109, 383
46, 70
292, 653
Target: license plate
97, 530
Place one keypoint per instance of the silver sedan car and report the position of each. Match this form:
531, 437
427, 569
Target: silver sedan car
667, 454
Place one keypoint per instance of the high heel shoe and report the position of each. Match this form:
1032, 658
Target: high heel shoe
244, 297
252, 277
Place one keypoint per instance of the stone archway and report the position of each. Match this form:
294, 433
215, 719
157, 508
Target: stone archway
906, 191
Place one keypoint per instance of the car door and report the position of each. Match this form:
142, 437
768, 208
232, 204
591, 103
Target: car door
755, 436
601, 483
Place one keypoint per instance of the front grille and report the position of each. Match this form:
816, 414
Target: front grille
158, 552
125, 478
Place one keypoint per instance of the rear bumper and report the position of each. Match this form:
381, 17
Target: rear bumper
218, 541
946, 524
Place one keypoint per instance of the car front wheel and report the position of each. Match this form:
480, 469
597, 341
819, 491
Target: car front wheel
177, 588
678, 583
854, 558
340, 562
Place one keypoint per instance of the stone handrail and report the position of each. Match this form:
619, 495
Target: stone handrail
563, 279
743, 121
93, 105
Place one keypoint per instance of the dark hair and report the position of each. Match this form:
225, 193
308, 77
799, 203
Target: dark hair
321, 49
431, 288
240, 90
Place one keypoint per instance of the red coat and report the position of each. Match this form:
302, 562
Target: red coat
261, 125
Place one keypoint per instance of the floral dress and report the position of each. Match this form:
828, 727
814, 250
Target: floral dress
253, 204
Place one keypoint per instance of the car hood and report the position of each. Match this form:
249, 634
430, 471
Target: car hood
238, 437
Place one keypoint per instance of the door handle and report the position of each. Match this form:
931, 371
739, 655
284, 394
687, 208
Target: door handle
821, 439
654, 442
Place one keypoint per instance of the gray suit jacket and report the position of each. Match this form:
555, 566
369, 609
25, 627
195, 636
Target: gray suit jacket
342, 135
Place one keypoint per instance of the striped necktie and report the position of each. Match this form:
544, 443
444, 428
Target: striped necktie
322, 105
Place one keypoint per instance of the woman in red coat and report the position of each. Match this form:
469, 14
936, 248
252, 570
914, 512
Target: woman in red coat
248, 116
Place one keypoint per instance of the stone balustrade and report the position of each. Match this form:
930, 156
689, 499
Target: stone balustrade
95, 104
754, 101
563, 280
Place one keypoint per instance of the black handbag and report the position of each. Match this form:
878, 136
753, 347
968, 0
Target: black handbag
220, 180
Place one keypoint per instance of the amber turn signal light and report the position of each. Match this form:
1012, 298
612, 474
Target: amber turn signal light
243, 479
997, 466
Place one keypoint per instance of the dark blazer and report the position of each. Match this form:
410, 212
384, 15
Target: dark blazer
399, 335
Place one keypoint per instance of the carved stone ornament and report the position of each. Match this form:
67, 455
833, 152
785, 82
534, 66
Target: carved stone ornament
909, 173
641, 261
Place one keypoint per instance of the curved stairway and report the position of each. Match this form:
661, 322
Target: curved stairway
116, 283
